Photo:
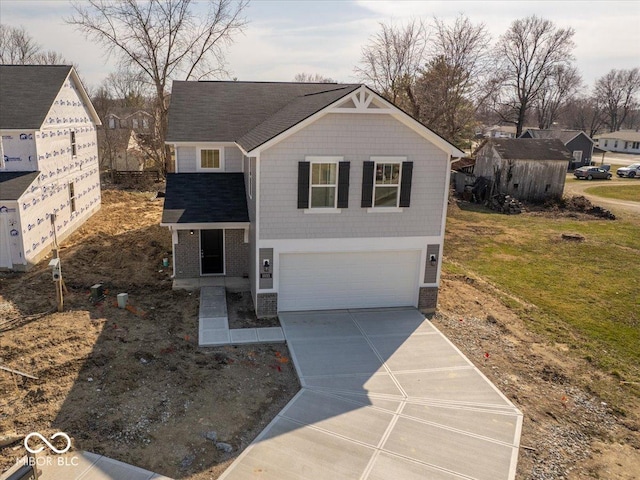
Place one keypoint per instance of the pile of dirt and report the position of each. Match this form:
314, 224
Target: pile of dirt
132, 383
577, 204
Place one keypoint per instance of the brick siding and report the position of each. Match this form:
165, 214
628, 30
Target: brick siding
428, 299
187, 253
267, 305
236, 253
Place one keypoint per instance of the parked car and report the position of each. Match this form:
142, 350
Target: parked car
592, 172
630, 171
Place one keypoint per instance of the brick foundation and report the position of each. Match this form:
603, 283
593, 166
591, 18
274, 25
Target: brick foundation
428, 299
267, 305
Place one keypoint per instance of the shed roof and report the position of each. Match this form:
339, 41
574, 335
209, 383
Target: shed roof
14, 184
565, 135
205, 198
249, 113
530, 148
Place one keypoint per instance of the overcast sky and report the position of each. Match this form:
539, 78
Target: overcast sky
285, 37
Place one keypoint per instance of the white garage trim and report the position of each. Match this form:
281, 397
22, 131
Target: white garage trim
339, 280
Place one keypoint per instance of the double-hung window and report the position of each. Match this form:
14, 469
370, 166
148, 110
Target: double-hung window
387, 184
72, 197
74, 146
323, 185
210, 159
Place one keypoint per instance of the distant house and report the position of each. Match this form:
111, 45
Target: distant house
578, 143
498, 131
121, 138
525, 168
623, 141
48, 160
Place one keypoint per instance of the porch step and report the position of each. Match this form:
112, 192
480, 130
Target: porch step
213, 323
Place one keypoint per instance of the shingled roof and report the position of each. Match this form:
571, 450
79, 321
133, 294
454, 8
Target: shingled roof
565, 135
530, 148
14, 184
205, 198
248, 113
27, 93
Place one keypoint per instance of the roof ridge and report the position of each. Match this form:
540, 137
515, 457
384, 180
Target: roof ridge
340, 87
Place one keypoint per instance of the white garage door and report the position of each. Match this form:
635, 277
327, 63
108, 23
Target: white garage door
322, 281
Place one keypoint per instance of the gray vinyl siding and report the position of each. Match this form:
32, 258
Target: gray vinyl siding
232, 159
186, 158
356, 137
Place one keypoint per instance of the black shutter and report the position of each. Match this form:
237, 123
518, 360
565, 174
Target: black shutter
303, 184
405, 184
367, 184
343, 184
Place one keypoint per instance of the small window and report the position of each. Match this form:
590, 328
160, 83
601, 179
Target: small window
145, 123
74, 147
636, 145
615, 144
135, 123
72, 197
547, 187
323, 185
210, 159
577, 156
606, 143
386, 185
112, 122
515, 186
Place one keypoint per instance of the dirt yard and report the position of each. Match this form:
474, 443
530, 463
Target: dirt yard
568, 432
133, 385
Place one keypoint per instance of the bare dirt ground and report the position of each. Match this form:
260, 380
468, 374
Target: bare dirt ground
133, 385
568, 432
130, 383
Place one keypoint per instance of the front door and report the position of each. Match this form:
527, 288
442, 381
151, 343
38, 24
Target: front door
212, 251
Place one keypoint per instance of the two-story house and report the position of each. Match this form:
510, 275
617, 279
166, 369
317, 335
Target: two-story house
49, 177
326, 196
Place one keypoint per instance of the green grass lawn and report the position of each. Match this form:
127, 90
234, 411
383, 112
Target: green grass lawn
587, 294
624, 192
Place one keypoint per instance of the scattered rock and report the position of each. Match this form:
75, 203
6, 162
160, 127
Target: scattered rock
212, 435
187, 461
224, 447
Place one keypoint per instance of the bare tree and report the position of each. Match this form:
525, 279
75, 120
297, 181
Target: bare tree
391, 61
312, 78
454, 83
17, 47
163, 39
616, 92
556, 91
527, 55
584, 113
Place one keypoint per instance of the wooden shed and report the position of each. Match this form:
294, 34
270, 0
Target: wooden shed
528, 169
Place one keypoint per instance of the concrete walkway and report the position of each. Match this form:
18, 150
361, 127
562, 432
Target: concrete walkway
385, 395
213, 323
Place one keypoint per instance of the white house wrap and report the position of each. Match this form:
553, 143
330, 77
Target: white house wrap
49, 162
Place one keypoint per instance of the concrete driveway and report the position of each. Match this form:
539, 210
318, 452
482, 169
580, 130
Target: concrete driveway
384, 395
